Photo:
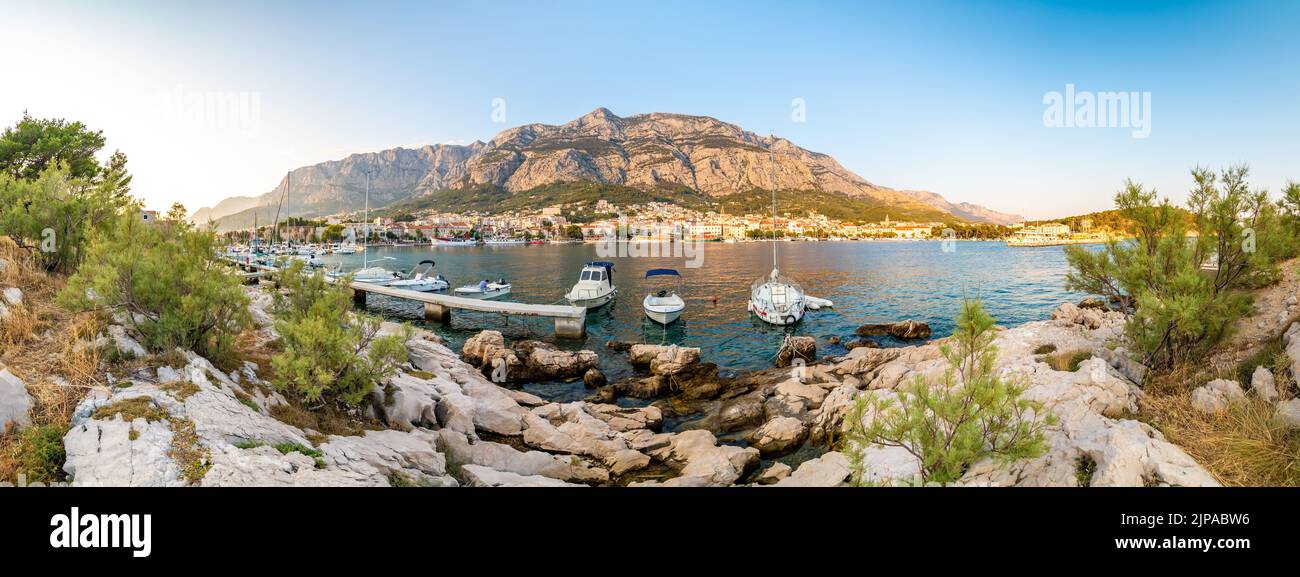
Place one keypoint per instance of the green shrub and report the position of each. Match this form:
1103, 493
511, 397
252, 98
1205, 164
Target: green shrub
968, 415
54, 193
41, 452
1179, 309
163, 278
330, 352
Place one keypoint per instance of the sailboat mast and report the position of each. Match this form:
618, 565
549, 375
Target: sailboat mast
772, 160
365, 242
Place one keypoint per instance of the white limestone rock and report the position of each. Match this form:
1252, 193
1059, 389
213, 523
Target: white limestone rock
1214, 396
479, 476
125, 344
778, 436
1263, 384
828, 470
15, 401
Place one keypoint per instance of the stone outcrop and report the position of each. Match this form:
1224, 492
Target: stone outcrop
794, 347
14, 401
525, 361
900, 330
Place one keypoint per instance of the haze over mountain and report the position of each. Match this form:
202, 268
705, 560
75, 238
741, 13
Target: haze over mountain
651, 152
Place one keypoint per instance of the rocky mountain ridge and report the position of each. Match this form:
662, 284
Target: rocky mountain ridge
644, 151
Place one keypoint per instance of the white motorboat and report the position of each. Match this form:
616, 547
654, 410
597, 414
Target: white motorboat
595, 287
665, 306
776, 299
484, 290
346, 248
504, 240
422, 279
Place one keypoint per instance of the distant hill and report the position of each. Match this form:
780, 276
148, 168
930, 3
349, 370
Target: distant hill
680, 157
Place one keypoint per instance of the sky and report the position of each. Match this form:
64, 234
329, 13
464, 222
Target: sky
951, 97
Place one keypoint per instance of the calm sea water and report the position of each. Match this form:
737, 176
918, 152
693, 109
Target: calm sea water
869, 282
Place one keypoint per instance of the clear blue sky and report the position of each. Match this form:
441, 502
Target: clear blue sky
942, 96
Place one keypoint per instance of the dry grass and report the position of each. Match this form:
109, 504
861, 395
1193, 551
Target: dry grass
44, 345
1243, 446
1066, 360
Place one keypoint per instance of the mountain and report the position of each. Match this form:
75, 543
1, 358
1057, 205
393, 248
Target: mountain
675, 157
964, 210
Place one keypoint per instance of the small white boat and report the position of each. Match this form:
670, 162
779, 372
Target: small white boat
504, 240
484, 290
595, 287
422, 279
665, 306
346, 248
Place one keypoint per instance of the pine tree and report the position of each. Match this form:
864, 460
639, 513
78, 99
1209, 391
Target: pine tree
969, 414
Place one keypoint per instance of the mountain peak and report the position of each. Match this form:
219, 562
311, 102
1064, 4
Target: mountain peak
658, 150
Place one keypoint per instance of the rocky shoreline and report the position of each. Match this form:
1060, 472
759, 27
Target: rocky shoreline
442, 421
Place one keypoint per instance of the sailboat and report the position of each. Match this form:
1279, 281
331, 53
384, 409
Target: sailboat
776, 299
367, 273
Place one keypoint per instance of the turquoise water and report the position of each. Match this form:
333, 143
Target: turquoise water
869, 282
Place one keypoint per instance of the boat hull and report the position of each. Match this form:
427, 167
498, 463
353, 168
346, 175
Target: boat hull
593, 302
663, 310
481, 295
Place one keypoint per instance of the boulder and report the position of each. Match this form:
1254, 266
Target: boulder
773, 474
1263, 384
1288, 413
15, 402
888, 465
13, 296
828, 470
1067, 313
665, 360
545, 362
593, 378
124, 343
794, 347
625, 418
856, 343
1122, 362
699, 455
1093, 303
778, 436
740, 413
1213, 397
405, 400
908, 329
479, 347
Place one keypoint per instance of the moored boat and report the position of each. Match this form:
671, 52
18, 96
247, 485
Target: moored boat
664, 306
595, 286
422, 279
484, 290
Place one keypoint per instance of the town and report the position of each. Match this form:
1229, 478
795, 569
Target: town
653, 221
